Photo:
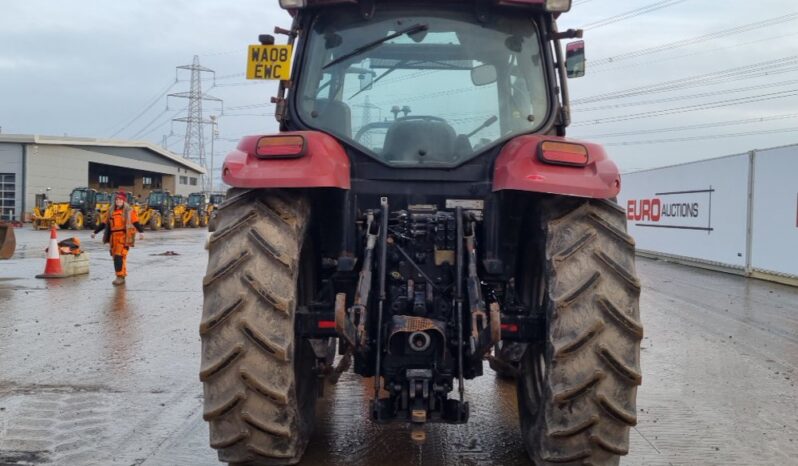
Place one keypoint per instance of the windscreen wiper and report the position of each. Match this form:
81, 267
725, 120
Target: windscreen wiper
384, 74
363, 48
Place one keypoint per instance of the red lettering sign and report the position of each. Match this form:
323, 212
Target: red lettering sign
630, 209
648, 210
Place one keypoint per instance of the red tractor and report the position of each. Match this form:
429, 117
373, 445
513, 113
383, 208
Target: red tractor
421, 212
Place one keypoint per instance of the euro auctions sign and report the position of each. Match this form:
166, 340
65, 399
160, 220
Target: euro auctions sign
269, 62
684, 210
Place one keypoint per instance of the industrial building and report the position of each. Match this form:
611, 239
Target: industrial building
32, 164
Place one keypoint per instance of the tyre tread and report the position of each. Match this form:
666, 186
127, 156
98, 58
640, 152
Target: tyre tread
593, 343
248, 349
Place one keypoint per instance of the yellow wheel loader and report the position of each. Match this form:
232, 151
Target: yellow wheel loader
214, 201
76, 214
181, 211
197, 214
158, 212
102, 206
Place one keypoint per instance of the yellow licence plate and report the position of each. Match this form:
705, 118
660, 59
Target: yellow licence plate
269, 62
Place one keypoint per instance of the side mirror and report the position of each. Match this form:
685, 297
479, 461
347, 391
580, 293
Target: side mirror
575, 59
483, 74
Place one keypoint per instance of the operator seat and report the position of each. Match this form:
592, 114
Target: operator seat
333, 116
416, 139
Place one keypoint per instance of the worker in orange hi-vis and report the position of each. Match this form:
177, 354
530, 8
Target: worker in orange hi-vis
120, 234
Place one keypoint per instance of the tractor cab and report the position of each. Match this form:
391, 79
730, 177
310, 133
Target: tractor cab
178, 199
475, 83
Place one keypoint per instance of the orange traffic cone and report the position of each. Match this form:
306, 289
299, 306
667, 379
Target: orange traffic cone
53, 267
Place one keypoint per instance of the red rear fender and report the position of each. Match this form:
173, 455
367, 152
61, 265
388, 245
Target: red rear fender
519, 168
323, 165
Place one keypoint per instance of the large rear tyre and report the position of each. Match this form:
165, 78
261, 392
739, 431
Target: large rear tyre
577, 390
259, 381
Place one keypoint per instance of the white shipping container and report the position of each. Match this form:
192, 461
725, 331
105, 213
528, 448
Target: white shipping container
774, 245
696, 210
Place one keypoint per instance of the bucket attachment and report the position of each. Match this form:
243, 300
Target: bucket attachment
8, 242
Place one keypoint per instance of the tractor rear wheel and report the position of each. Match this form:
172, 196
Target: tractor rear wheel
259, 381
195, 221
76, 221
577, 389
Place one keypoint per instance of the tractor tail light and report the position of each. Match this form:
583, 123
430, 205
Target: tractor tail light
511, 328
276, 147
563, 153
326, 324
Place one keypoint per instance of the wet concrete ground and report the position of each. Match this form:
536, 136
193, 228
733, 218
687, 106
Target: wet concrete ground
91, 374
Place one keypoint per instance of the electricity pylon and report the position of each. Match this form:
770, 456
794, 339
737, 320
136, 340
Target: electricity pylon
194, 145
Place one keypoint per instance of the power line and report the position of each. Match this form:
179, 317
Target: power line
169, 119
157, 117
246, 114
691, 127
146, 109
688, 97
694, 40
612, 67
632, 13
765, 68
251, 106
246, 83
143, 131
691, 108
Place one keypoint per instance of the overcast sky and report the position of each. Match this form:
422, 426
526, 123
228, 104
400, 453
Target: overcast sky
101, 68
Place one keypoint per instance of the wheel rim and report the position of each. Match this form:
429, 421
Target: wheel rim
534, 375
303, 354
534, 365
